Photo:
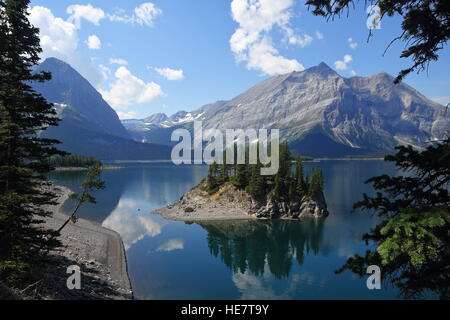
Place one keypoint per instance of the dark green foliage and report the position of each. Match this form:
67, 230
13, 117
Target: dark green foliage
316, 183
257, 185
212, 181
72, 161
23, 155
240, 178
426, 25
300, 183
224, 169
283, 177
249, 246
412, 241
287, 185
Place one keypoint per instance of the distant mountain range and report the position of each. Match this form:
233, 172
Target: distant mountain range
89, 125
320, 114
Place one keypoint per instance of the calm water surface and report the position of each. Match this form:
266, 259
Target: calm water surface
233, 260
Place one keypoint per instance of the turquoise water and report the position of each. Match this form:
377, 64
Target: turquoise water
233, 260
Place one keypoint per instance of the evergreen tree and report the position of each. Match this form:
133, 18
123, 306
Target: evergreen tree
316, 183
212, 182
300, 185
23, 154
413, 239
257, 183
283, 177
91, 182
224, 170
241, 176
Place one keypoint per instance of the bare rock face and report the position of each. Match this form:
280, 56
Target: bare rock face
308, 208
322, 114
313, 209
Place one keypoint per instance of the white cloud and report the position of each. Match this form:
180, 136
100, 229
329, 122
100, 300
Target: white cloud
59, 39
170, 74
251, 41
87, 12
295, 39
353, 73
94, 43
106, 72
129, 89
353, 45
343, 64
319, 35
127, 115
263, 56
171, 245
145, 14
120, 62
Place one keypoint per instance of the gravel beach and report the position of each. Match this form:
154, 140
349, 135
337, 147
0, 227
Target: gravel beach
99, 252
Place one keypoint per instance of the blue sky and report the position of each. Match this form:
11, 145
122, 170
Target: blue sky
172, 55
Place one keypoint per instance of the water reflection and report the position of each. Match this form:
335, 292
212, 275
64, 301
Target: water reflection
252, 287
131, 226
171, 245
230, 260
249, 246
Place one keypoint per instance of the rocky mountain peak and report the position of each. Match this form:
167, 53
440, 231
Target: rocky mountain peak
156, 118
322, 69
323, 114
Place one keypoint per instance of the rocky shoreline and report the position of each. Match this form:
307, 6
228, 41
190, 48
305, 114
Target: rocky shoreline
230, 203
99, 252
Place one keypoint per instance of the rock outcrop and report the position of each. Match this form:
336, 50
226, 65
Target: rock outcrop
231, 203
315, 207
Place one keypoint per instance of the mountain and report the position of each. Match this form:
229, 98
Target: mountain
134, 126
322, 114
89, 125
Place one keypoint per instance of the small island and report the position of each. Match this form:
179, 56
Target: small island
236, 192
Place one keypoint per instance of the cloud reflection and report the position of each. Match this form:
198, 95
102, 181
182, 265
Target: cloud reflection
254, 287
132, 226
171, 245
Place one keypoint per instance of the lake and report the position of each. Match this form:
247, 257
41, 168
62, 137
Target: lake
234, 259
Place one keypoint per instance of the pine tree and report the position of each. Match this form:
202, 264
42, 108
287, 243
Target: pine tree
316, 183
257, 183
283, 177
241, 176
412, 239
224, 174
23, 154
299, 184
211, 182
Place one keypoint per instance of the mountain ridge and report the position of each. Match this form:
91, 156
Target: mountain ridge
352, 116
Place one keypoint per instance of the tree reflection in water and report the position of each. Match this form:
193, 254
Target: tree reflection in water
249, 245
